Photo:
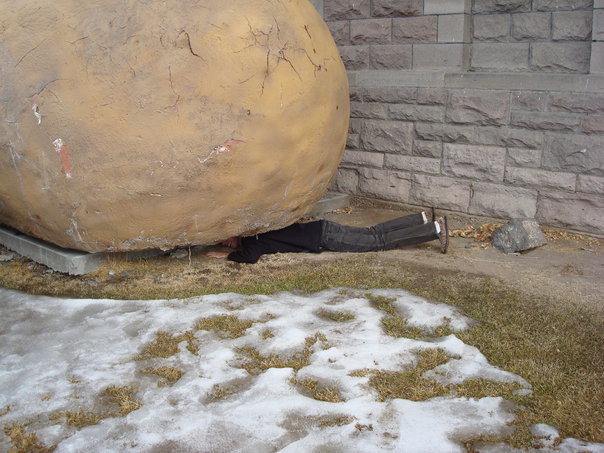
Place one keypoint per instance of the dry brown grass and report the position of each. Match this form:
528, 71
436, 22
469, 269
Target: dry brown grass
24, 443
169, 374
80, 419
122, 396
336, 420
166, 345
226, 326
315, 390
335, 316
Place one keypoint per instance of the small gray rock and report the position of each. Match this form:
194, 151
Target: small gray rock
6, 257
518, 235
179, 254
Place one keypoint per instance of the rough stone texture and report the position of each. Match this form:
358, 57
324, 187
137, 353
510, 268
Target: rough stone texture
478, 107
346, 181
391, 136
438, 56
355, 57
363, 158
492, 27
564, 57
583, 212
415, 29
494, 200
432, 96
392, 95
574, 153
145, 125
433, 113
573, 25
500, 6
385, 184
412, 163
546, 121
544, 5
518, 235
340, 30
353, 141
346, 9
508, 57
532, 101
531, 26
374, 31
424, 148
393, 8
368, 110
590, 184
519, 157
593, 124
475, 162
532, 177
391, 57
446, 193
574, 102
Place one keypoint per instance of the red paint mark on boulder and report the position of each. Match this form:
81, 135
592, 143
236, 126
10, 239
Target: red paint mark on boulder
65, 154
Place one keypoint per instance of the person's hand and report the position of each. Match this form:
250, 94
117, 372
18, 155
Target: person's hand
216, 254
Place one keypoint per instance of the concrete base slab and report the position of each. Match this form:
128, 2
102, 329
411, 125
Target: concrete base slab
68, 261
330, 202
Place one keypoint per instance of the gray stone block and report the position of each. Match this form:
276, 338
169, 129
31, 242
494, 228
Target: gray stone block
546, 121
346, 9
532, 177
577, 102
363, 158
593, 124
561, 56
391, 57
395, 8
590, 184
415, 29
497, 57
572, 26
529, 100
385, 184
372, 110
425, 148
370, 31
491, 27
556, 5
355, 57
518, 235
521, 157
598, 25
478, 107
330, 202
340, 30
452, 28
596, 64
432, 96
531, 26
431, 113
484, 163
441, 192
412, 163
495, 136
390, 136
438, 56
353, 141
346, 180
73, 262
355, 126
501, 6
583, 212
497, 200
446, 6
393, 95
574, 153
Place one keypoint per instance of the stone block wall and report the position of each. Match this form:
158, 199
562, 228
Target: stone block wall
488, 107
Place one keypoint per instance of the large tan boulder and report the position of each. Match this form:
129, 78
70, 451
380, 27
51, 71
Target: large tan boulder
127, 124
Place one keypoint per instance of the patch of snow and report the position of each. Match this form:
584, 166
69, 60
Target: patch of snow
59, 355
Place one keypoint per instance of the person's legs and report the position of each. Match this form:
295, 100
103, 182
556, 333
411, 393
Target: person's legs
384, 236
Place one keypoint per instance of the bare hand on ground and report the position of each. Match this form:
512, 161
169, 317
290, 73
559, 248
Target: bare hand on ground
216, 254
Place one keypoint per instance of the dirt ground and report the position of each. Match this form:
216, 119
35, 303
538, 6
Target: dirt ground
570, 264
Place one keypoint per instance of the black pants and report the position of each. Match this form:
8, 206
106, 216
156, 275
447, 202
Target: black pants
400, 232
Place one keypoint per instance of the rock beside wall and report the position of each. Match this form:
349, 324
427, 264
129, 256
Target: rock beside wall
127, 125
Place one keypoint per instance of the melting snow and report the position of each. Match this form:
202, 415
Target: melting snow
58, 355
